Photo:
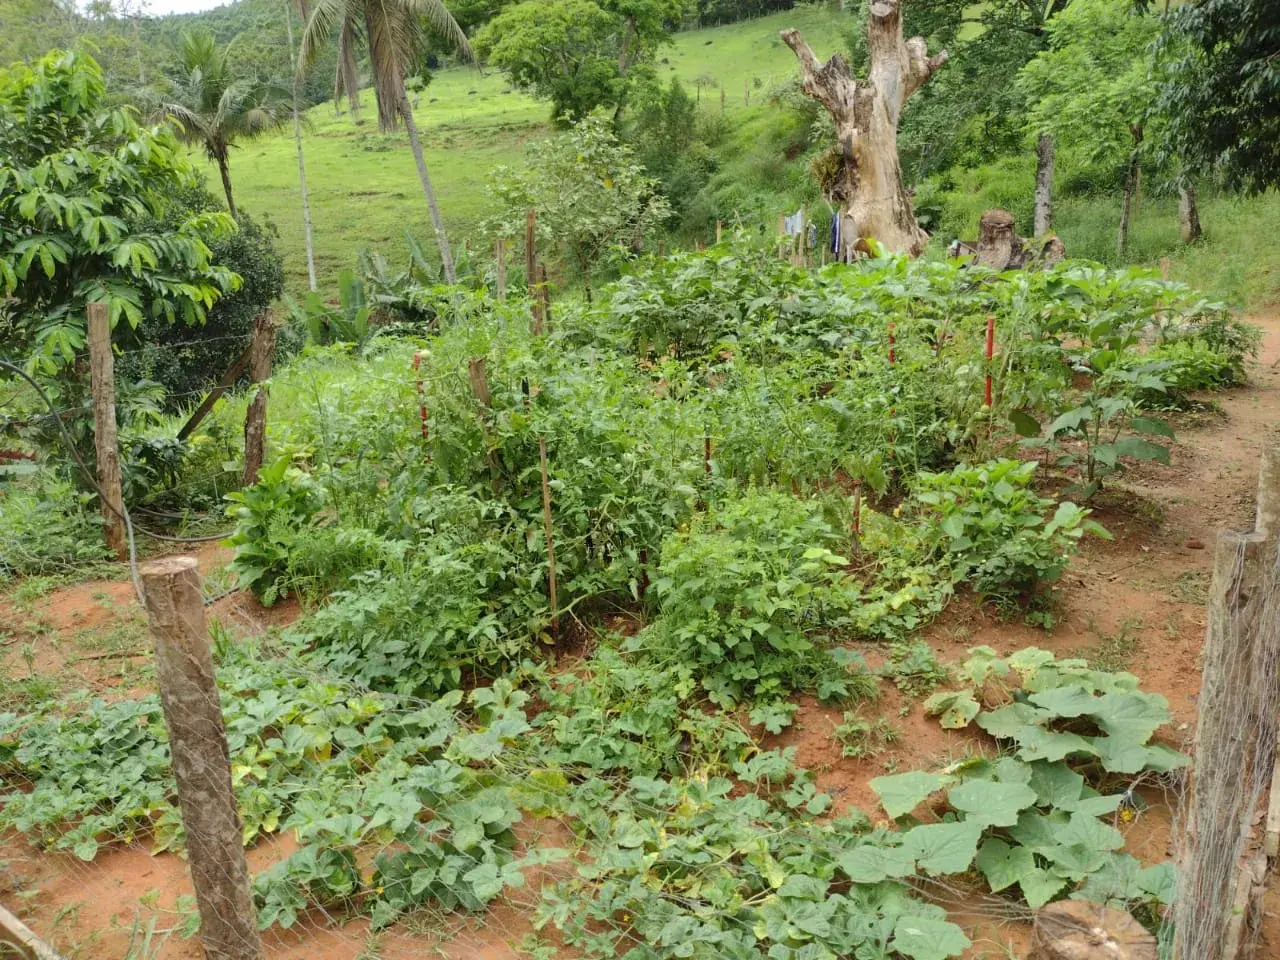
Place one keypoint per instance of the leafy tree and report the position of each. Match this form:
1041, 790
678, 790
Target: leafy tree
184, 360
392, 29
1093, 88
579, 54
213, 108
1221, 91
80, 186
590, 194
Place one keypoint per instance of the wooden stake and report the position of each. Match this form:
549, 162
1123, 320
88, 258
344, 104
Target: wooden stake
531, 263
103, 386
479, 378
719, 230
422, 396
991, 349
211, 398
255, 420
543, 309
201, 761
500, 255
24, 943
551, 545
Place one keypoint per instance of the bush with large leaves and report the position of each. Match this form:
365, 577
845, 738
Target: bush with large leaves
84, 196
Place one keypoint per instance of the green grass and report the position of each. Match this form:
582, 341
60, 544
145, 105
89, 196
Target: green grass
363, 186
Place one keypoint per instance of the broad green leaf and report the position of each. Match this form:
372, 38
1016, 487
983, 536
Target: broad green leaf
1040, 886
875, 862
1007, 721
957, 708
1070, 420
942, 848
991, 803
1140, 449
1024, 424
1151, 426
1091, 832
1003, 865
1055, 784
1066, 701
1131, 716
903, 792
927, 938
1036, 743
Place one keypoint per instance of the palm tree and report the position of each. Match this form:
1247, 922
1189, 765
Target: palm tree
392, 32
214, 109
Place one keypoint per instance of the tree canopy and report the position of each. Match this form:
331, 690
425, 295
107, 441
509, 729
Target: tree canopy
579, 54
1221, 90
83, 197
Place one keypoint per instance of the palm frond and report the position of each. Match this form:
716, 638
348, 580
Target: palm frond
441, 20
325, 15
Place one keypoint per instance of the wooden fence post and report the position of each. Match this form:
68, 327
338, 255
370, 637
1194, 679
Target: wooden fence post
255, 420
201, 760
1237, 730
500, 255
103, 386
719, 230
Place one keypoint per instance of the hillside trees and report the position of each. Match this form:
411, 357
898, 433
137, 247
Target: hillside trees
579, 54
1093, 88
862, 173
392, 32
214, 107
83, 203
1221, 90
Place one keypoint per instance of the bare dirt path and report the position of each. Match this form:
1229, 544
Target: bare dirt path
1136, 603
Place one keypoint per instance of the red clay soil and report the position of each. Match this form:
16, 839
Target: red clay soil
1137, 603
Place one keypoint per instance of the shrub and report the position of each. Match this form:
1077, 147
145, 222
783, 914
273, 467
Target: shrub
994, 531
746, 596
48, 527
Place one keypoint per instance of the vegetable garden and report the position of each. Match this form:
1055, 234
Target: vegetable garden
566, 596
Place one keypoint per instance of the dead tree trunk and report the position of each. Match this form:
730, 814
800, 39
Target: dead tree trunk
1044, 185
1188, 212
864, 175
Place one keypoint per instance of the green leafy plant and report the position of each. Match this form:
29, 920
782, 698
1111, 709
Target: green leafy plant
914, 668
995, 532
746, 595
861, 738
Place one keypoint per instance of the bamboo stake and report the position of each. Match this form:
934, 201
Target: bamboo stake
500, 255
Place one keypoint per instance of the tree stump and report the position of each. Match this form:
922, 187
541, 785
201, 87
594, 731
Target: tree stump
1078, 930
998, 242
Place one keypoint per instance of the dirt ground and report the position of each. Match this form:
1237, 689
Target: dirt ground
1136, 603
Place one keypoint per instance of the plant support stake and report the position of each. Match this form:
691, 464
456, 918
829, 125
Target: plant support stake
422, 396
551, 545
991, 349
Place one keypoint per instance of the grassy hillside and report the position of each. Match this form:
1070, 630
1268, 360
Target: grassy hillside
364, 189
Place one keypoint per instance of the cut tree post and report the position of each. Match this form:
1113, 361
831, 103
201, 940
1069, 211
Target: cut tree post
103, 386
255, 420
864, 175
1079, 930
1044, 185
1236, 736
201, 761
1188, 212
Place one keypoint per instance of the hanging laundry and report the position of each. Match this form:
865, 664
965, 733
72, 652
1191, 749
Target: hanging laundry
793, 225
835, 232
